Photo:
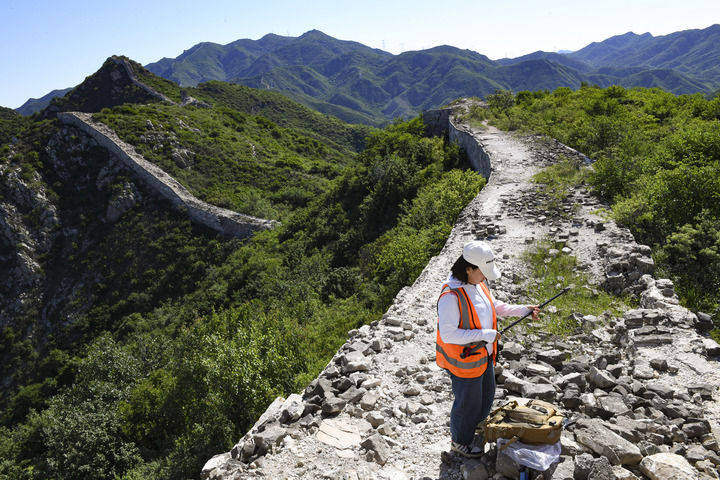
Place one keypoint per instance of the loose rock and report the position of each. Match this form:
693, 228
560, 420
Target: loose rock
664, 466
378, 447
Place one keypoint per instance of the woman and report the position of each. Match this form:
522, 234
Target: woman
467, 314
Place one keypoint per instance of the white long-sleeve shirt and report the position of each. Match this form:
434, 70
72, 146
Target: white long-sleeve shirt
449, 315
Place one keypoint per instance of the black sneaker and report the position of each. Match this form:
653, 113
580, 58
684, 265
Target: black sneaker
468, 451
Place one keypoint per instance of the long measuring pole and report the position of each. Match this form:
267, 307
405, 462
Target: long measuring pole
467, 351
563, 291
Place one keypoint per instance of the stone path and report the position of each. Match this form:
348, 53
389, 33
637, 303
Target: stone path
381, 407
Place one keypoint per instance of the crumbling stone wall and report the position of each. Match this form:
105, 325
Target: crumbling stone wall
478, 157
440, 122
641, 386
222, 220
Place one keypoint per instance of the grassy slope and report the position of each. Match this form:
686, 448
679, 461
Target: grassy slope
284, 112
229, 158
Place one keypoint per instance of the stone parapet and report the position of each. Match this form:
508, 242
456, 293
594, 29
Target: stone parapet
474, 148
440, 122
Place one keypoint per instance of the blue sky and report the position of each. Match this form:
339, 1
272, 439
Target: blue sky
46, 45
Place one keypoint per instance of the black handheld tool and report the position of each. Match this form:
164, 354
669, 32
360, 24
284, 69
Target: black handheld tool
473, 350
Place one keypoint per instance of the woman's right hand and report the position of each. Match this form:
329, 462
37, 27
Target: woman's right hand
497, 337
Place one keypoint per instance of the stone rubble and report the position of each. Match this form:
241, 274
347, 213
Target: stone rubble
641, 389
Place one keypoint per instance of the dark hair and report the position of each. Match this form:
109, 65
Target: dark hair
458, 269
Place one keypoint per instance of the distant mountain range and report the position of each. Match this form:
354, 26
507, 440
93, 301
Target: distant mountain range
360, 84
36, 104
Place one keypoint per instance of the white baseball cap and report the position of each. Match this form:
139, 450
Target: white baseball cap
480, 254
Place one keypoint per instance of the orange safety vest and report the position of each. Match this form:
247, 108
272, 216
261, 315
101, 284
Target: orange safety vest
447, 355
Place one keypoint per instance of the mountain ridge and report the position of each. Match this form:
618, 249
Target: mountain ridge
359, 83
33, 105
397, 79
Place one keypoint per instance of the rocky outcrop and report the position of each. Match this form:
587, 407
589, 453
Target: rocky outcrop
641, 386
187, 100
122, 202
222, 220
28, 226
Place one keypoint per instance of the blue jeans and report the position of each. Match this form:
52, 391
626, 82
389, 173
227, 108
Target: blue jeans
473, 401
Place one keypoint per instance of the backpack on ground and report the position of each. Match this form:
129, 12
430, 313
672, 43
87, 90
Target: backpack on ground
537, 423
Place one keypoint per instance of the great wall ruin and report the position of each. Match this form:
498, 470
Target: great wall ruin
642, 386
225, 221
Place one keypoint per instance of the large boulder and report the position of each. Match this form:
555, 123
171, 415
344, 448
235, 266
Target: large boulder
601, 378
292, 409
507, 466
269, 438
474, 470
354, 362
218, 461
541, 391
563, 470
603, 441
712, 349
554, 357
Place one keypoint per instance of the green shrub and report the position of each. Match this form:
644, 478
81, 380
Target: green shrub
502, 100
692, 255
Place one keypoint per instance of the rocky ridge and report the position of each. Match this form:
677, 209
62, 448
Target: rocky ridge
35, 222
641, 387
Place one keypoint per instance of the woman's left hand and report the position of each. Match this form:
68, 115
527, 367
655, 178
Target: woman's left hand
535, 311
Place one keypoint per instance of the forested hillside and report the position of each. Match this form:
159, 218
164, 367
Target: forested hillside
136, 344
657, 158
11, 123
